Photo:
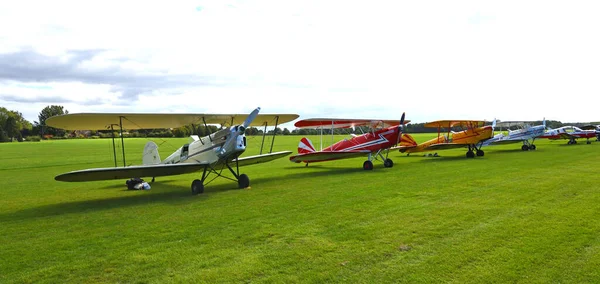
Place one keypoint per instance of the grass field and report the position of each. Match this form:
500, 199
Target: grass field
510, 216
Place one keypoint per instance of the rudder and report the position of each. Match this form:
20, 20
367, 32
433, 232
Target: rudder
305, 146
151, 156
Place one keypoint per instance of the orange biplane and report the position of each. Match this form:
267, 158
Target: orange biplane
473, 133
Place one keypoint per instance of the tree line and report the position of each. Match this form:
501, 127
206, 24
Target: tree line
13, 127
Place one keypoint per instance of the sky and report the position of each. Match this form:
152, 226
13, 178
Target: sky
510, 60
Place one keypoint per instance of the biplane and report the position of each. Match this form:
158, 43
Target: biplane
526, 133
472, 135
383, 135
211, 154
572, 133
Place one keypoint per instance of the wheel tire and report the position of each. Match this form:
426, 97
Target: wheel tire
532, 147
480, 153
243, 181
470, 154
589, 142
388, 163
368, 165
197, 187
525, 148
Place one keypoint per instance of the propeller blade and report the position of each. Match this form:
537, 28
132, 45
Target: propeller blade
251, 117
400, 128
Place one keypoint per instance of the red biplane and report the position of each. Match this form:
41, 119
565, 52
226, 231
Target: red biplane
384, 134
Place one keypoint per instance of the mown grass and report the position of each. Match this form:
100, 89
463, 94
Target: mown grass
510, 216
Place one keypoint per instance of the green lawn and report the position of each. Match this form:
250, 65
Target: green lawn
510, 216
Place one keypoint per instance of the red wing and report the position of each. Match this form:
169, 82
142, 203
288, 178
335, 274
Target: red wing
327, 156
344, 123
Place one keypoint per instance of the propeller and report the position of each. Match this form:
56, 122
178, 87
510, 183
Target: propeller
544, 123
238, 130
400, 128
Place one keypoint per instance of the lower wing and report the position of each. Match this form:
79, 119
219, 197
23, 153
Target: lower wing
252, 160
444, 146
327, 156
132, 171
158, 169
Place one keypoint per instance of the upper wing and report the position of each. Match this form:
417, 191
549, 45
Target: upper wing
132, 171
100, 121
344, 123
327, 156
257, 159
453, 123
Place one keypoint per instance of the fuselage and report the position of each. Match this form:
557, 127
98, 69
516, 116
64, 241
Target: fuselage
372, 141
566, 132
209, 148
466, 137
517, 135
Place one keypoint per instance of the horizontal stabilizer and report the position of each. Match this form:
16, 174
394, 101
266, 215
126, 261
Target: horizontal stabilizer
130, 172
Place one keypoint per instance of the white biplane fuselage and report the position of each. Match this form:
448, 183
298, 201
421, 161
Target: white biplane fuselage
526, 133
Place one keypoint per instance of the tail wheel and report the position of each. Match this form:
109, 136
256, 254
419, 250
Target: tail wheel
480, 153
368, 165
388, 163
470, 154
243, 181
197, 187
524, 147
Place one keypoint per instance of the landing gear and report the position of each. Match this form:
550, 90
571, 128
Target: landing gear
524, 147
532, 147
480, 153
470, 154
388, 163
243, 181
368, 165
197, 187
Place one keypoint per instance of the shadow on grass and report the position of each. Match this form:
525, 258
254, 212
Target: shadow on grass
161, 192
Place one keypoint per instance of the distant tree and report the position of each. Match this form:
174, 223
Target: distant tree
286, 131
47, 112
3, 136
10, 127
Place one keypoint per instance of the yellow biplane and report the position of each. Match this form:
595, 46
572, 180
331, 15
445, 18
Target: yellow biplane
472, 135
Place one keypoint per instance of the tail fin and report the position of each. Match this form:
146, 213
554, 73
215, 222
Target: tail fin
151, 156
408, 141
305, 146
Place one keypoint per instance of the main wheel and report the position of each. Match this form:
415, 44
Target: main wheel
367, 165
388, 163
524, 147
532, 147
589, 142
470, 154
197, 187
480, 153
243, 181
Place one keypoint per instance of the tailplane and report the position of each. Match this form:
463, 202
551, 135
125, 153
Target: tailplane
151, 156
305, 146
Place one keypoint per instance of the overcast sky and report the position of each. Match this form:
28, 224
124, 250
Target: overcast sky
511, 60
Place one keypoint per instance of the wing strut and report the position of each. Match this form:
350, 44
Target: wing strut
122, 141
274, 132
207, 130
263, 140
112, 132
